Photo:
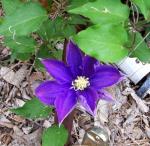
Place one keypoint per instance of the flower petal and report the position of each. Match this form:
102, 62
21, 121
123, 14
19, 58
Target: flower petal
88, 99
104, 95
105, 76
58, 70
74, 58
64, 104
88, 65
49, 90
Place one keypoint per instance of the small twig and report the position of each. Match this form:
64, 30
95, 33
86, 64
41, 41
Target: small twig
133, 14
28, 78
139, 44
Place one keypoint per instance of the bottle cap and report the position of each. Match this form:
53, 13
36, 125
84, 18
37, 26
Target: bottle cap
134, 69
96, 136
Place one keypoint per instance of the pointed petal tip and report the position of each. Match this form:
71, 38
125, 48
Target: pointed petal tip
73, 58
70, 42
88, 100
104, 95
64, 105
45, 60
58, 70
47, 91
93, 113
105, 76
60, 120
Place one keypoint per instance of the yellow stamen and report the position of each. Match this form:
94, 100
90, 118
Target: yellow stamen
80, 83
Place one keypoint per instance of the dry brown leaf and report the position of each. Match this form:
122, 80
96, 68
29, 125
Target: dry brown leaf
19, 102
21, 139
27, 130
102, 113
3, 118
7, 74
140, 103
134, 112
14, 78
18, 119
47, 124
6, 124
147, 129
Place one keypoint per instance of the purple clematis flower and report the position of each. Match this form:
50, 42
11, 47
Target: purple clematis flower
81, 80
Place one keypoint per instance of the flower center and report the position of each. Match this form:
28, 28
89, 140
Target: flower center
80, 83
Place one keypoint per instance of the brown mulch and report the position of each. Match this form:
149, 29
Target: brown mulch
126, 120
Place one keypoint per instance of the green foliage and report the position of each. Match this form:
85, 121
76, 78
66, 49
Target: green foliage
26, 19
60, 28
21, 44
144, 6
57, 54
20, 56
21, 47
103, 11
54, 136
23, 18
33, 109
105, 42
1, 20
142, 51
10, 6
43, 52
46, 52
77, 19
77, 3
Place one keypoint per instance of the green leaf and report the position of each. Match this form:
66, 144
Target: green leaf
59, 28
10, 6
46, 52
54, 136
69, 30
43, 52
24, 20
33, 109
103, 11
142, 51
144, 6
76, 20
20, 56
21, 47
21, 44
1, 20
57, 54
46, 30
76, 3
104, 42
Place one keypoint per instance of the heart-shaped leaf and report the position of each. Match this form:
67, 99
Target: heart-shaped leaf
10, 6
103, 11
21, 44
33, 109
104, 42
26, 19
54, 136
